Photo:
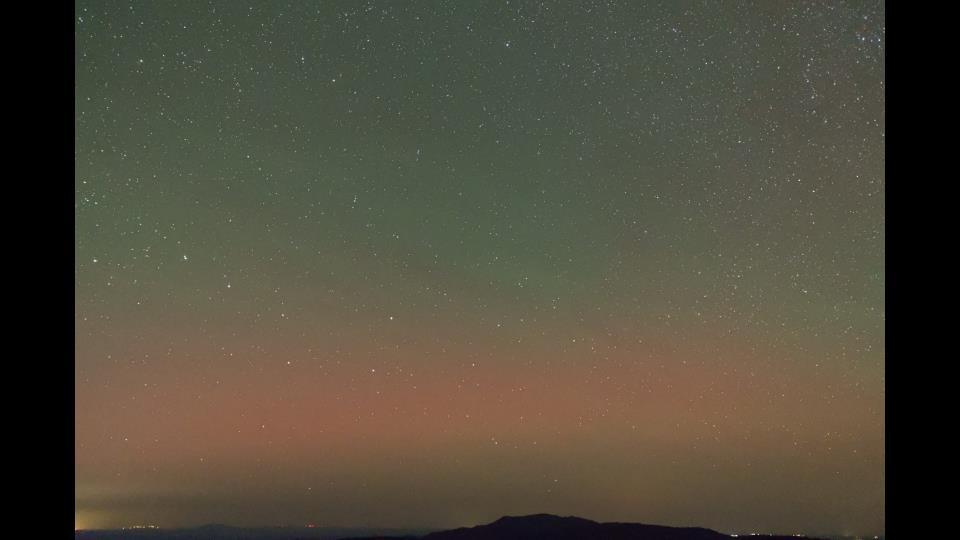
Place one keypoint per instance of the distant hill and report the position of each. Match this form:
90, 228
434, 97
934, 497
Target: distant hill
549, 527
534, 527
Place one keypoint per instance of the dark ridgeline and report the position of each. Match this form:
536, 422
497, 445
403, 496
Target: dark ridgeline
549, 527
534, 527
546, 526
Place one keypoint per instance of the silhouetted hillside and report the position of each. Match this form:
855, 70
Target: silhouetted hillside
548, 527
544, 526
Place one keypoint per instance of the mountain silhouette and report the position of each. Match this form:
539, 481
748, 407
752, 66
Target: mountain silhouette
550, 527
543, 526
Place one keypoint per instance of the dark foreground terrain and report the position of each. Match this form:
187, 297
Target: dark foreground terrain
545, 526
535, 527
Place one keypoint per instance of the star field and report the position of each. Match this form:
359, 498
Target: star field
430, 263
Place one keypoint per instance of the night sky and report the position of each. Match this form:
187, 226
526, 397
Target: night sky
429, 263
